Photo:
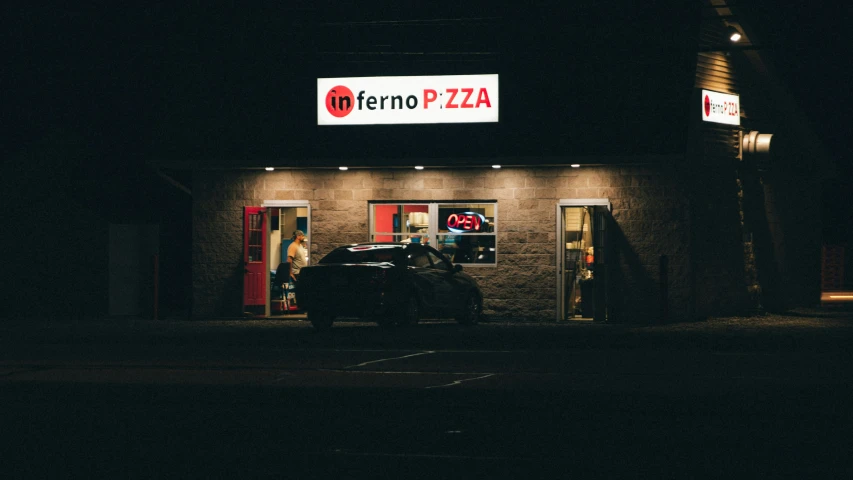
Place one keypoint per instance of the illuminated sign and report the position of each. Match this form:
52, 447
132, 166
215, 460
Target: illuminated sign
720, 107
407, 100
465, 222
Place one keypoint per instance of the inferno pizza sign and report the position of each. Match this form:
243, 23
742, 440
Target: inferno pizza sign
720, 107
407, 100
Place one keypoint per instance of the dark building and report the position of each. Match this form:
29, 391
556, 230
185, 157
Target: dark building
637, 177
685, 216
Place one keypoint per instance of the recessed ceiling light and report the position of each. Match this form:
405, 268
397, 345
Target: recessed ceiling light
269, 169
343, 168
575, 165
419, 167
496, 166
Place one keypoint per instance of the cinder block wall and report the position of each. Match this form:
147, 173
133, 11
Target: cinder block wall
650, 218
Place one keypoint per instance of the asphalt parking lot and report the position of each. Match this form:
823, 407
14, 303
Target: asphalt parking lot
809, 329
232, 398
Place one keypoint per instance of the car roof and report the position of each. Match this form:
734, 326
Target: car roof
385, 244
395, 245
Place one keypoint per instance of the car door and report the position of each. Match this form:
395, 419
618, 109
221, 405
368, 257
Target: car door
450, 288
426, 280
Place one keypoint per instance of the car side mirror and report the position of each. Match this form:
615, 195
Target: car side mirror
457, 268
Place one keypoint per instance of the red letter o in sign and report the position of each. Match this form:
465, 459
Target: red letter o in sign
453, 220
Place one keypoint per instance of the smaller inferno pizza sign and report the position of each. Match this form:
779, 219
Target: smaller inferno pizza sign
407, 100
720, 107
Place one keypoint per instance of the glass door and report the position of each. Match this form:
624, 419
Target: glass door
580, 256
578, 263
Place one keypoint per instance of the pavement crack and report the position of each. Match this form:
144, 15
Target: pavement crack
25, 370
428, 352
459, 382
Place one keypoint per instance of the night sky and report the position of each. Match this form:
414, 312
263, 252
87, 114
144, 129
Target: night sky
101, 76
812, 48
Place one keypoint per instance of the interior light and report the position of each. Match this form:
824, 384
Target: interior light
269, 169
496, 166
419, 167
575, 165
343, 168
733, 34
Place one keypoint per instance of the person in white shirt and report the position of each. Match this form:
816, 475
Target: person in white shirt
297, 254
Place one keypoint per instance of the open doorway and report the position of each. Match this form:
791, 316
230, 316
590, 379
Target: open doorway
284, 223
580, 253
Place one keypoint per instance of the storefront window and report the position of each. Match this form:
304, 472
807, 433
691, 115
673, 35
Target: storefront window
464, 232
397, 222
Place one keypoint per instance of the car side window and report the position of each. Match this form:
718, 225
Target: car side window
419, 259
437, 262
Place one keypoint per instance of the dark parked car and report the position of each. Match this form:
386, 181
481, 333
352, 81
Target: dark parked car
391, 283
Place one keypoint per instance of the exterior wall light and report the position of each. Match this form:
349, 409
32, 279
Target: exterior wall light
575, 165
733, 34
419, 167
269, 169
496, 166
343, 169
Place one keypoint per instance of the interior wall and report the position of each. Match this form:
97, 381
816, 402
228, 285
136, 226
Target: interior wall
275, 246
288, 222
385, 221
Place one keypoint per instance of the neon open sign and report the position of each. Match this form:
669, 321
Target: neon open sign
465, 222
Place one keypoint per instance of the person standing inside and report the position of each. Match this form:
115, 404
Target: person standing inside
303, 247
297, 254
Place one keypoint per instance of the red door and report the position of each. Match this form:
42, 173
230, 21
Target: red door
254, 257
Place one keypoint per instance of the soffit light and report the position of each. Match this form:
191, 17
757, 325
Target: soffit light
496, 166
343, 168
575, 165
269, 169
733, 34
419, 167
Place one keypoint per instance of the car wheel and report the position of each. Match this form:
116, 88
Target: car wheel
410, 314
321, 321
471, 314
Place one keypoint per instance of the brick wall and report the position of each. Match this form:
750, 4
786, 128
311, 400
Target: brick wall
650, 218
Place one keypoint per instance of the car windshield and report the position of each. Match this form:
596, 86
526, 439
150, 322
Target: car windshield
364, 254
